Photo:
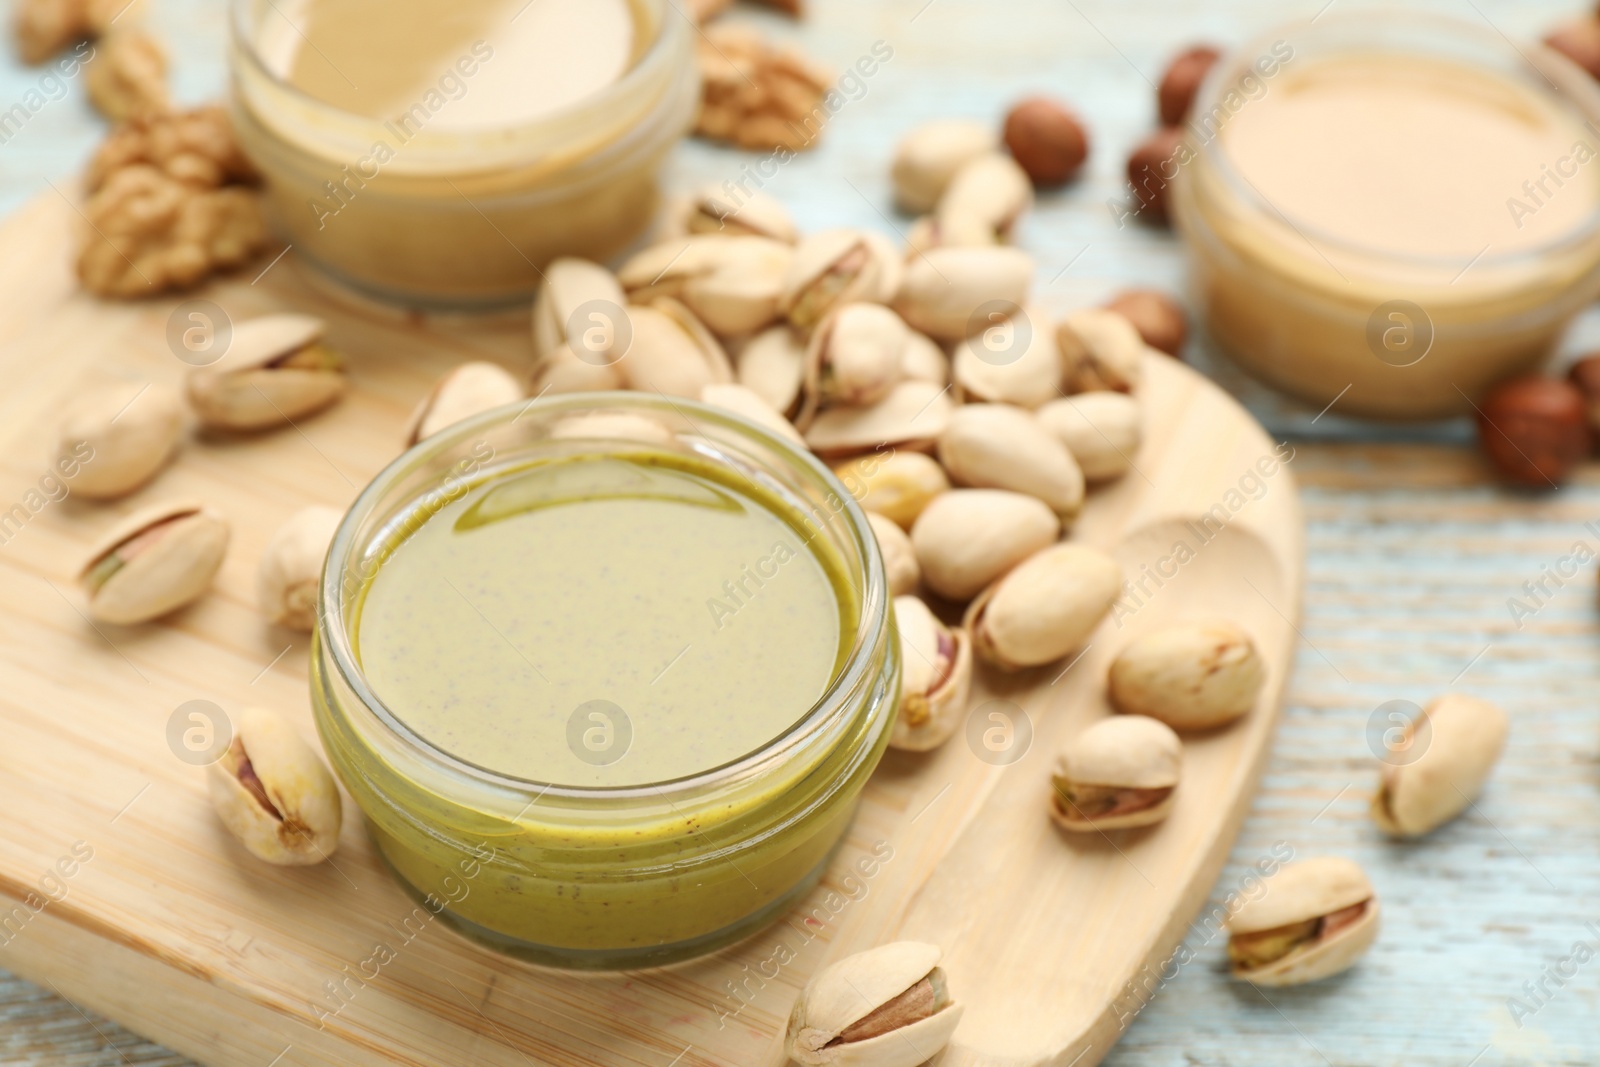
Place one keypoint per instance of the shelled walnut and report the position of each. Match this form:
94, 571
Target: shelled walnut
757, 95
44, 27
129, 76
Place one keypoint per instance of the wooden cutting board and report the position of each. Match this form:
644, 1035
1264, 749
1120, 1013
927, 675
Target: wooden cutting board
167, 926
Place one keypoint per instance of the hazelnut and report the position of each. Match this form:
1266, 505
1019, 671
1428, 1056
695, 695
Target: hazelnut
1151, 168
1182, 81
1585, 374
1579, 41
1047, 140
1158, 318
1534, 429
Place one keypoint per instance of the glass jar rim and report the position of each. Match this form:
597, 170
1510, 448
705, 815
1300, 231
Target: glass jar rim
1535, 61
650, 66
873, 627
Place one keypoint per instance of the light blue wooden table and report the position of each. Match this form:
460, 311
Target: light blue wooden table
1413, 558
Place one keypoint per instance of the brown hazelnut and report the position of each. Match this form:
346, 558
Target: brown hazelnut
1157, 317
1585, 374
1182, 81
1579, 41
1151, 168
1534, 429
1046, 140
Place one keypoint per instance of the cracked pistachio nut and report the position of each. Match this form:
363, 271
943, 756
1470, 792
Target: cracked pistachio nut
614, 426
1464, 737
990, 190
273, 792
1190, 675
572, 286
565, 371
773, 366
1120, 773
119, 441
1014, 359
154, 562
732, 284
946, 288
1313, 919
948, 231
1045, 608
748, 404
672, 352
718, 209
924, 360
276, 370
838, 267
899, 558
997, 446
930, 156
967, 538
887, 1007
291, 568
1103, 431
935, 677
468, 390
856, 356
896, 485
912, 415
664, 268
1100, 350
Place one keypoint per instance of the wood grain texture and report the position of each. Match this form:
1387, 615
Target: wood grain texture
1412, 556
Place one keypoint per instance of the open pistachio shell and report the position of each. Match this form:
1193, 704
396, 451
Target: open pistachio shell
1464, 737
291, 567
1011, 361
729, 210
935, 677
924, 360
886, 1007
896, 485
672, 352
913, 414
856, 356
773, 366
928, 157
739, 289
945, 289
569, 285
746, 403
888, 268
1044, 609
948, 231
468, 390
830, 268
273, 792
899, 559
1102, 351
564, 371
120, 438
997, 446
275, 371
1190, 675
1103, 431
154, 562
1120, 773
990, 190
1313, 919
967, 538
664, 268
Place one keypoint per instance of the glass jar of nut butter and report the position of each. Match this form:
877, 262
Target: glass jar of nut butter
440, 154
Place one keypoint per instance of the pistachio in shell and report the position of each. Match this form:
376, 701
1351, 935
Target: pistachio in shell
154, 562
896, 485
1103, 431
948, 231
899, 558
1120, 773
997, 446
990, 190
1101, 350
912, 415
565, 371
930, 156
1012, 360
1312, 920
856, 356
666, 267
614, 426
773, 366
273, 792
746, 403
291, 567
829, 269
945, 289
672, 352
276, 370
735, 212
739, 291
119, 441
923, 360
1044, 609
1460, 739
1190, 675
935, 677
573, 291
468, 390
887, 1007
967, 538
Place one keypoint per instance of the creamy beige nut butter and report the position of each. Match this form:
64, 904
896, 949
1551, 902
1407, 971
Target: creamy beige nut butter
1403, 213
441, 155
